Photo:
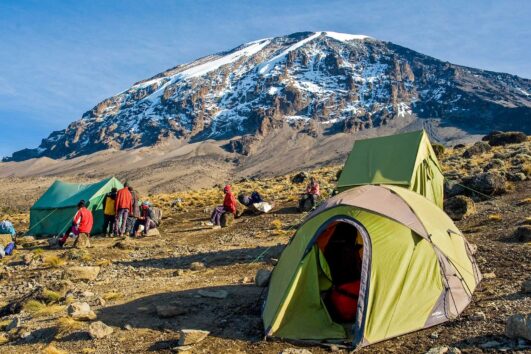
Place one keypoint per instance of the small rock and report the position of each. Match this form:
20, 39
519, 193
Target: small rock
81, 311
98, 330
153, 232
178, 273
434, 335
523, 233
28, 259
100, 301
273, 261
216, 294
87, 294
262, 277
334, 348
13, 324
444, 350
300, 177
459, 207
197, 266
526, 286
478, 316
125, 244
191, 336
82, 273
489, 275
295, 351
518, 326
128, 327
183, 349
166, 311
246, 280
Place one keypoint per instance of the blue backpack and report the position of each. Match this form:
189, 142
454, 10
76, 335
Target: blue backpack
6, 227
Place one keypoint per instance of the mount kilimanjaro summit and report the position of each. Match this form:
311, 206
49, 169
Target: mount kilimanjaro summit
313, 83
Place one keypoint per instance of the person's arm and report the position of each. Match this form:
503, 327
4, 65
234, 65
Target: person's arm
77, 218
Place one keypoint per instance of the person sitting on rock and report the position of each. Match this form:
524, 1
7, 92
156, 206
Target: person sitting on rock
146, 220
312, 193
81, 226
229, 206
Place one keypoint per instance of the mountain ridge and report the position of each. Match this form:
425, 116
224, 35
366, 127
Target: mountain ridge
319, 83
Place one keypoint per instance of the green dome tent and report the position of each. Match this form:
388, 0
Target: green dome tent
52, 214
406, 160
417, 269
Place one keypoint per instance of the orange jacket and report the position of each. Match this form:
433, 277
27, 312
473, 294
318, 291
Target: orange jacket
124, 200
84, 221
229, 203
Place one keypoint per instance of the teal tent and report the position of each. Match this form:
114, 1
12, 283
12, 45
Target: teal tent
52, 214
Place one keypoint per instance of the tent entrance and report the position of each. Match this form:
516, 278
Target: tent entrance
343, 249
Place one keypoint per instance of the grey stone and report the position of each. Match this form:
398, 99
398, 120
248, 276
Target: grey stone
526, 286
15, 323
82, 273
519, 326
81, 311
197, 266
216, 294
459, 207
523, 233
478, 316
191, 336
98, 330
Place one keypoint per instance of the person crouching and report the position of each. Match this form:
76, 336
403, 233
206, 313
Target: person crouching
146, 220
81, 227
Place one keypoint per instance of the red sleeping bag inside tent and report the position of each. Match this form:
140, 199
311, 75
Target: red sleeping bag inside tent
344, 299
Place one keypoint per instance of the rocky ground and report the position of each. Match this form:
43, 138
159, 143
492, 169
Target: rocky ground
192, 277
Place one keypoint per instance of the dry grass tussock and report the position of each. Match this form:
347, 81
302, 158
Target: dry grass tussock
50, 296
112, 295
54, 261
39, 309
3, 339
67, 325
51, 349
494, 217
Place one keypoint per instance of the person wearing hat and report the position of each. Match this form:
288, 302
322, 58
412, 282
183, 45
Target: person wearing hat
146, 220
81, 225
229, 206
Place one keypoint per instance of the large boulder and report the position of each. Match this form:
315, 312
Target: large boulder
453, 188
497, 138
227, 219
459, 207
82, 273
98, 330
478, 148
486, 183
519, 326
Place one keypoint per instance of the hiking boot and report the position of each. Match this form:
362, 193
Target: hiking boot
209, 223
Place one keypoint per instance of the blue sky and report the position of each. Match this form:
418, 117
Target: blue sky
60, 58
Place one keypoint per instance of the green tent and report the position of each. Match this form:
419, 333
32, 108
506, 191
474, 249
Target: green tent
416, 269
52, 214
406, 160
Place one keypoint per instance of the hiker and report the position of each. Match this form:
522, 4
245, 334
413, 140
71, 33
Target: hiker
81, 225
123, 207
312, 193
145, 221
109, 212
134, 203
229, 206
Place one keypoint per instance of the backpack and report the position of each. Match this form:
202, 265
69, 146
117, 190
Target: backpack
157, 215
6, 227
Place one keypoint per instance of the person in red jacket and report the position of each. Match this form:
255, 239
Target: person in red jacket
124, 207
229, 206
312, 193
81, 224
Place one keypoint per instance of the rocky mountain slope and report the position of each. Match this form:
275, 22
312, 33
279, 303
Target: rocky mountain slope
316, 83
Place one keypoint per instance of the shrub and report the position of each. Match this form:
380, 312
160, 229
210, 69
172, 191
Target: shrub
54, 261
276, 224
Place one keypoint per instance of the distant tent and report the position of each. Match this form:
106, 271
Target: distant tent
52, 214
415, 269
407, 160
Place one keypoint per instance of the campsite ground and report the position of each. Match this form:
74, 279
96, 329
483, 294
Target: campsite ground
138, 275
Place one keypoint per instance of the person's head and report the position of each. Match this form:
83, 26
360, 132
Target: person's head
114, 190
312, 179
81, 204
126, 184
146, 205
227, 188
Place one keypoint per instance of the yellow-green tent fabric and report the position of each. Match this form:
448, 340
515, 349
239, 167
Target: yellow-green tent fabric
417, 269
53, 212
406, 160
